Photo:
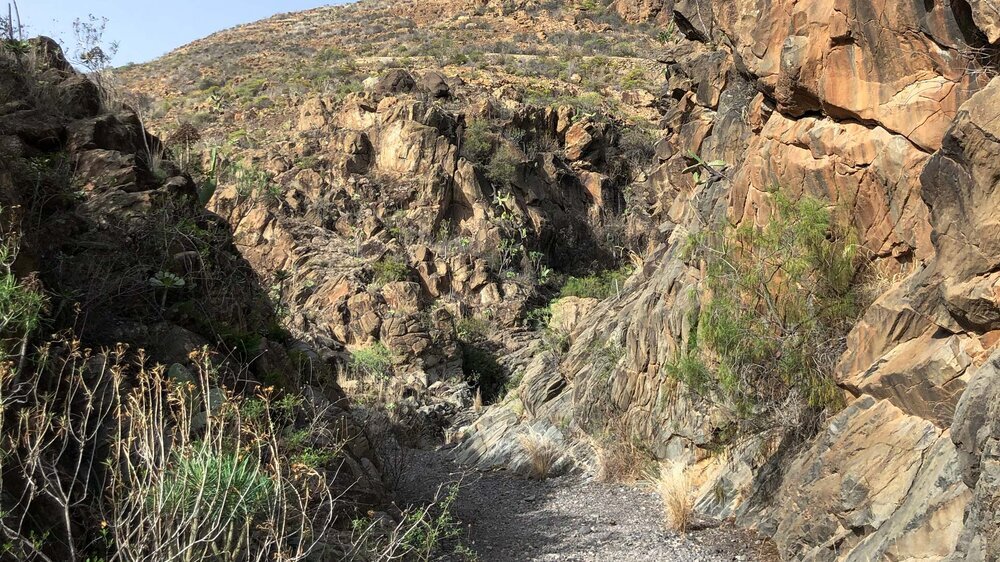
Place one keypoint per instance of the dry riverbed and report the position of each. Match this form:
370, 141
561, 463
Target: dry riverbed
506, 518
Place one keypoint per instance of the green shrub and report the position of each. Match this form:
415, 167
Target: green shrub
780, 303
634, 79
200, 483
592, 103
538, 318
477, 144
502, 168
251, 182
426, 533
390, 269
688, 368
598, 286
243, 344
432, 526
198, 472
473, 328
374, 361
20, 306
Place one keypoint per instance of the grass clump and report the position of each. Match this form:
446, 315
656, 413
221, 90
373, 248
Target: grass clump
674, 488
619, 456
781, 300
543, 453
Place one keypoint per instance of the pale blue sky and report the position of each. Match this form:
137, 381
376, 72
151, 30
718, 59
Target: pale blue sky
146, 30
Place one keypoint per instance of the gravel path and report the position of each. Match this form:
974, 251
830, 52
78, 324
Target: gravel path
567, 519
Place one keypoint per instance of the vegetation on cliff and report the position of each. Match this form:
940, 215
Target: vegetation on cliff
780, 300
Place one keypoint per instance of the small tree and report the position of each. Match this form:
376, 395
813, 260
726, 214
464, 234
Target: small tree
780, 301
92, 52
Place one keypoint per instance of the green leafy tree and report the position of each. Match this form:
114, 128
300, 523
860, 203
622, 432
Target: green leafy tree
780, 301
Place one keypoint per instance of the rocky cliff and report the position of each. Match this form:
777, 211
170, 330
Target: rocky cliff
881, 109
138, 278
884, 112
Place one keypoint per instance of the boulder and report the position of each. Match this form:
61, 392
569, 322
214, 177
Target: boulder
435, 84
313, 115
585, 141
81, 96
986, 15
102, 170
50, 55
396, 81
36, 127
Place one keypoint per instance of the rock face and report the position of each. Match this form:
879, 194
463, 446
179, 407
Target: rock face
846, 494
885, 110
384, 227
824, 99
976, 433
97, 219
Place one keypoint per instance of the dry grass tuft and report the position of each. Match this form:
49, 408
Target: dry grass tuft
675, 490
477, 401
543, 453
619, 457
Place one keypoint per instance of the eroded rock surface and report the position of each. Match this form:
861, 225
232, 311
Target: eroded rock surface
837, 106
886, 110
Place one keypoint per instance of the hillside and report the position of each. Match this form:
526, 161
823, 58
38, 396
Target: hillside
647, 279
256, 76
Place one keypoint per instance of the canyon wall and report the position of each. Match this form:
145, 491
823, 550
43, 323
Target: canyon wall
887, 111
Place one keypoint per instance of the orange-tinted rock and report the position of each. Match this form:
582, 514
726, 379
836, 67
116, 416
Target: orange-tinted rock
870, 172
858, 60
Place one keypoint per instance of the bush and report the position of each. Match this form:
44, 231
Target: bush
477, 144
598, 286
502, 167
372, 362
198, 482
636, 149
20, 307
198, 471
390, 269
473, 328
425, 533
780, 302
250, 182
